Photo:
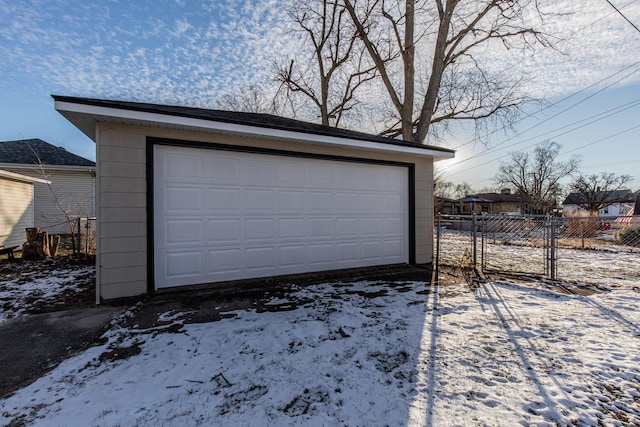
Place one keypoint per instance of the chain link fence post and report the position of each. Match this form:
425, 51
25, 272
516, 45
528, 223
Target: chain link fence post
474, 228
553, 247
438, 227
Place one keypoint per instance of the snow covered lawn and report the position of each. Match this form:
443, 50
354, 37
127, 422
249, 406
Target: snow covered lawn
36, 286
361, 354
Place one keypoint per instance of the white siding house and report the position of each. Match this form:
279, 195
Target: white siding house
72, 181
16, 207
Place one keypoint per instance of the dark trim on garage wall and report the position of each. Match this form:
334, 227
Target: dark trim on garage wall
412, 213
151, 288
153, 141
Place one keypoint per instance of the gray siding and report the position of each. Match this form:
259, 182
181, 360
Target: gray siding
16, 211
121, 213
71, 191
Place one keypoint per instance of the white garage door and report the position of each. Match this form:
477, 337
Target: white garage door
223, 215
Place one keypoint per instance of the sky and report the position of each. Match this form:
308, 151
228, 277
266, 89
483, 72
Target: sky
192, 53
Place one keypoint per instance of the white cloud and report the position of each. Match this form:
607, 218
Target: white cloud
192, 53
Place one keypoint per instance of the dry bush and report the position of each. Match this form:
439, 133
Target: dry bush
582, 224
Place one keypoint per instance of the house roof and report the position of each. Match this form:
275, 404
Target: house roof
29, 151
502, 197
618, 196
474, 198
85, 112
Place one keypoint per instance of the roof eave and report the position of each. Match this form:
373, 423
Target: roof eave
22, 178
85, 117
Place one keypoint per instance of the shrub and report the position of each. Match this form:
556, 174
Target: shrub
629, 236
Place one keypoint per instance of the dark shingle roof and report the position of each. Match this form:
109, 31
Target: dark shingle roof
22, 152
618, 196
242, 118
502, 197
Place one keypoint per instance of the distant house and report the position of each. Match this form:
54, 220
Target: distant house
621, 202
504, 202
17, 213
71, 177
447, 206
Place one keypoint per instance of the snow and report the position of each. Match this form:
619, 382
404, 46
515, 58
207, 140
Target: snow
363, 353
23, 283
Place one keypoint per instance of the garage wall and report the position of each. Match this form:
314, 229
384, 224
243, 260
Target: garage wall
122, 199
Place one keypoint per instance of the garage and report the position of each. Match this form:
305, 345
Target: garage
226, 215
190, 197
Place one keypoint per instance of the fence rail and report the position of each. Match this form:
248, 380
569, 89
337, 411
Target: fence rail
583, 249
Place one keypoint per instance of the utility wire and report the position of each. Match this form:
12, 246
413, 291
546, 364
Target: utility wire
560, 154
622, 14
560, 101
496, 147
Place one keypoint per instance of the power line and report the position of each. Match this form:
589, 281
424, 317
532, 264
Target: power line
597, 117
560, 154
622, 14
600, 140
563, 111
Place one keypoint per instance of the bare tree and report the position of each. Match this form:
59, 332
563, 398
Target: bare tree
599, 191
336, 67
462, 190
537, 176
450, 35
251, 99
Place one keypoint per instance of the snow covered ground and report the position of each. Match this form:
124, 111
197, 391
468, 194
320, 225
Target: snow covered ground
361, 354
32, 286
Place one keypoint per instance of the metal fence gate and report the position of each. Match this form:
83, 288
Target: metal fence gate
580, 249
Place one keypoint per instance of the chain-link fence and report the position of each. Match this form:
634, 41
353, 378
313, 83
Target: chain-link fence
583, 249
80, 238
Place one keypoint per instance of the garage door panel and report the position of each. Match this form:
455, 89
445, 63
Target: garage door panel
225, 260
237, 215
292, 228
260, 258
224, 230
183, 167
319, 201
260, 199
393, 248
223, 169
181, 199
260, 228
292, 200
292, 256
259, 172
183, 231
180, 264
393, 226
223, 198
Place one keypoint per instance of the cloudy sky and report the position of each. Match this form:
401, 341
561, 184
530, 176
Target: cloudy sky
190, 52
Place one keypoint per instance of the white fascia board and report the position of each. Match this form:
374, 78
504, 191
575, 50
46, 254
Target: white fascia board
36, 167
23, 178
217, 126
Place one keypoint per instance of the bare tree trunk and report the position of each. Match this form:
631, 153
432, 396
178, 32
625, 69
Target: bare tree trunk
37, 246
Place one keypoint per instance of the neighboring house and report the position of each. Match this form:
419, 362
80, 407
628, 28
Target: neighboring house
473, 204
72, 180
16, 207
622, 202
447, 206
189, 196
506, 202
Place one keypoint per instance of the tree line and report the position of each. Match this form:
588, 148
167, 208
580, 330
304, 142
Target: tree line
538, 176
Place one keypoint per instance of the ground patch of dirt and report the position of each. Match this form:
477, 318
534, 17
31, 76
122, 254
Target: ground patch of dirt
79, 294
